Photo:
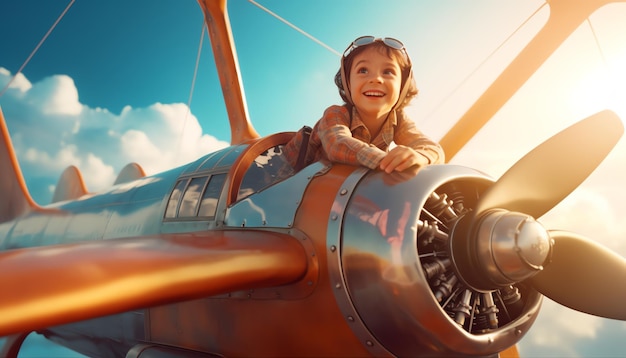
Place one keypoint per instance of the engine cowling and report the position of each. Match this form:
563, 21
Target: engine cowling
404, 278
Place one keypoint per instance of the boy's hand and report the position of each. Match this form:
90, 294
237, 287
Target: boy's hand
402, 158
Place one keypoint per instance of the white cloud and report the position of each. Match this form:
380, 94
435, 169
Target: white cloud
177, 140
55, 95
96, 172
20, 82
138, 148
93, 169
590, 214
555, 330
63, 158
98, 142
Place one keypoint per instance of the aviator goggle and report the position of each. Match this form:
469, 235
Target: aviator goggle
367, 40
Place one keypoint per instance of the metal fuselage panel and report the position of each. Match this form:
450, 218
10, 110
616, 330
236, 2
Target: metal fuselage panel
111, 214
239, 323
125, 210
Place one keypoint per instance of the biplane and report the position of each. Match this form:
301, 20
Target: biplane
225, 257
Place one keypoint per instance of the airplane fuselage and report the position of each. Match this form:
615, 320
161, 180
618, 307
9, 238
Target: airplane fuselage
348, 221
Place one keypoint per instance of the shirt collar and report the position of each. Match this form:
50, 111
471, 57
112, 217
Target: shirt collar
386, 132
356, 121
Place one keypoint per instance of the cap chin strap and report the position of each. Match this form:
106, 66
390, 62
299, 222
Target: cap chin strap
405, 89
344, 83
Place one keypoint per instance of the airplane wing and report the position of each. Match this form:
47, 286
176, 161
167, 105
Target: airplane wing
53, 285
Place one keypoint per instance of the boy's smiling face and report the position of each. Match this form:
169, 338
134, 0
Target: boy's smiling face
375, 81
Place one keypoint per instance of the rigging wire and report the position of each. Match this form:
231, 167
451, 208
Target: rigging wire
456, 88
36, 48
597, 41
295, 28
610, 70
193, 85
473, 72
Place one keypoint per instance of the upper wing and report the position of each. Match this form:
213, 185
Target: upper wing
53, 285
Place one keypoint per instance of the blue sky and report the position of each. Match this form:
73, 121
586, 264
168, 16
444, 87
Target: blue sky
111, 85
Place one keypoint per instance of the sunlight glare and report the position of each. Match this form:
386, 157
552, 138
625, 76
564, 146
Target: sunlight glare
604, 88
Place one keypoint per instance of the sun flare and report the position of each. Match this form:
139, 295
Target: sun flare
604, 88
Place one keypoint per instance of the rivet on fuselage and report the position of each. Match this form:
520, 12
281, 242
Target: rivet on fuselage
343, 192
333, 248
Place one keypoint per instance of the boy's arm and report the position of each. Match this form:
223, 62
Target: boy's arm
409, 135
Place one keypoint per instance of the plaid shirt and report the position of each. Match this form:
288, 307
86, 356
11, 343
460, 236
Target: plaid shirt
349, 141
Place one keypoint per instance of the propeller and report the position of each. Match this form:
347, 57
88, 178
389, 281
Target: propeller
584, 276
508, 245
551, 171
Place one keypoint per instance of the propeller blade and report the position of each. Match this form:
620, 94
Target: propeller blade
551, 171
52, 285
584, 276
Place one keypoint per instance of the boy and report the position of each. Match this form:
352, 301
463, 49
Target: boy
376, 82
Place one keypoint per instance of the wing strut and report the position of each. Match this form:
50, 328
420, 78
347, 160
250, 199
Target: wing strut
564, 19
216, 18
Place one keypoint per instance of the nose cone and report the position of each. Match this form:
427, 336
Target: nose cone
511, 246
